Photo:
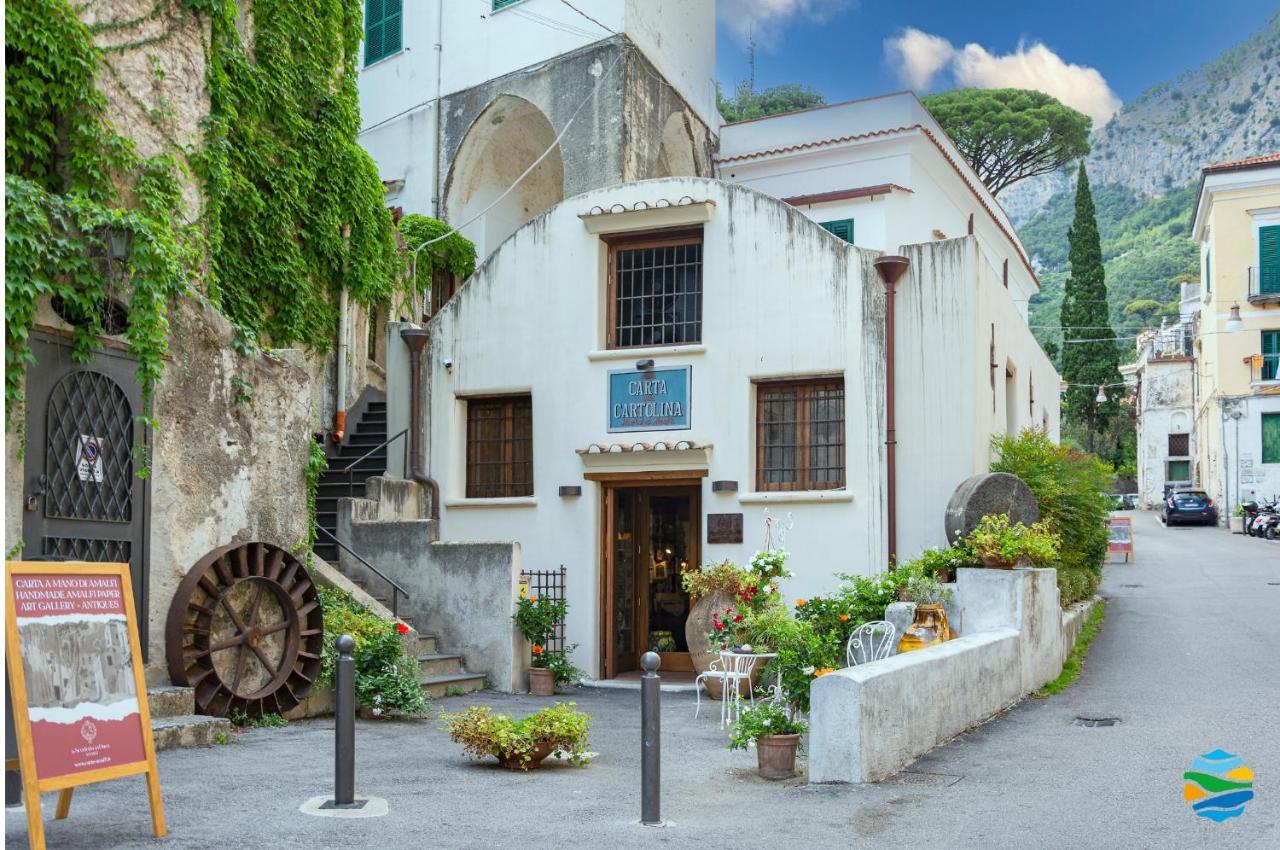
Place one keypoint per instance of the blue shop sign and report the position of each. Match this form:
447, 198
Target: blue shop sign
649, 400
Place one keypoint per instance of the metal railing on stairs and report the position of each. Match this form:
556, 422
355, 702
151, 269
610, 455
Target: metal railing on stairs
396, 590
349, 469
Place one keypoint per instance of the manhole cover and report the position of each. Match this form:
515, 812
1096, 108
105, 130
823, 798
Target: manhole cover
941, 780
1131, 585
1097, 721
1274, 583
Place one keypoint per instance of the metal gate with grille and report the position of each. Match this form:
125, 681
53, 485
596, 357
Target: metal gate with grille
83, 499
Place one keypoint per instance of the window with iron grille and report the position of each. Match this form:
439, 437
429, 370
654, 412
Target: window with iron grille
1179, 445
499, 447
655, 290
381, 29
800, 435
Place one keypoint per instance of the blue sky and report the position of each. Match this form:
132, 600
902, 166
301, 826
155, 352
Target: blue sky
1102, 51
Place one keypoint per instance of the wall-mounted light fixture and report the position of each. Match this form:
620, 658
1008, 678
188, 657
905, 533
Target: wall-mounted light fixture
724, 486
644, 365
570, 490
1235, 324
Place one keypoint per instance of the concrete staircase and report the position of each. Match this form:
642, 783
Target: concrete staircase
174, 722
367, 434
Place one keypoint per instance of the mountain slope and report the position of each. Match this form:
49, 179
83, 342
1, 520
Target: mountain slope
1144, 169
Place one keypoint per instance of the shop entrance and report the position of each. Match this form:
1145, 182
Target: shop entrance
651, 536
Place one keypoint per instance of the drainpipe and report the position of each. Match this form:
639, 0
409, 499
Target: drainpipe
340, 404
416, 338
890, 267
435, 112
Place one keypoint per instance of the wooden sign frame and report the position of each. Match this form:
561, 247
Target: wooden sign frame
32, 784
1114, 548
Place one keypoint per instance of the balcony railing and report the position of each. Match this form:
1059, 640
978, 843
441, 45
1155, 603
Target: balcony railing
1264, 285
1263, 368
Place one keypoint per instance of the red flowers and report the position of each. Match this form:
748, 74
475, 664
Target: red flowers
402, 628
738, 619
537, 649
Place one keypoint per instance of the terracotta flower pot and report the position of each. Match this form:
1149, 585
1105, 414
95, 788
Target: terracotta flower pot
542, 682
995, 562
776, 755
928, 628
513, 762
696, 628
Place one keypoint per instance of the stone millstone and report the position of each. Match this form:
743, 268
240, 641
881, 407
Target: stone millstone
989, 493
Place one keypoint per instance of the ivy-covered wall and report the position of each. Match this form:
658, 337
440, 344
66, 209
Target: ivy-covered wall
220, 137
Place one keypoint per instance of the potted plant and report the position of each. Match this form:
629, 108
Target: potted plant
776, 732
929, 626
537, 618
1001, 544
712, 588
521, 744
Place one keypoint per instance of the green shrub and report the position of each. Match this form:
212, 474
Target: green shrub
386, 677
767, 717
1071, 489
483, 732
997, 537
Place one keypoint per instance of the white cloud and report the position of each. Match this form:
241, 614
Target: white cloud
917, 56
1039, 68
764, 20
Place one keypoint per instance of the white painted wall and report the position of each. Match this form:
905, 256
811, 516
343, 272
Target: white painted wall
888, 139
531, 320
781, 298
397, 93
1166, 408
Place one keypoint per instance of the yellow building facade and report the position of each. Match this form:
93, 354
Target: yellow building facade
1237, 378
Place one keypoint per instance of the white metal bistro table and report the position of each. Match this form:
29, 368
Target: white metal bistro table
733, 668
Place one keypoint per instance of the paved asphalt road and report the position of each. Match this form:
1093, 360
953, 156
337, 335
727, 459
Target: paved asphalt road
1188, 659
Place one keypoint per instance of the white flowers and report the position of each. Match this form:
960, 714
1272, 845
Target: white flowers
808, 671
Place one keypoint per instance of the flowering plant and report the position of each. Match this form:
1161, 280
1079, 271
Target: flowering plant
767, 717
769, 566
724, 627
724, 577
537, 618
482, 731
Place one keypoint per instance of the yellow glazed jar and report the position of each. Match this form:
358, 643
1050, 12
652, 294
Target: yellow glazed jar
928, 628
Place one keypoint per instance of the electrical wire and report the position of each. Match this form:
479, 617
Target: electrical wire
554, 144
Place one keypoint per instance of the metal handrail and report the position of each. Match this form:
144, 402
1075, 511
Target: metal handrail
395, 588
349, 469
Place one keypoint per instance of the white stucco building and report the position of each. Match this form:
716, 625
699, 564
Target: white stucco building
678, 327
1163, 376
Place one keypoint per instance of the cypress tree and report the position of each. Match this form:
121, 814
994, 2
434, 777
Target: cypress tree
1090, 357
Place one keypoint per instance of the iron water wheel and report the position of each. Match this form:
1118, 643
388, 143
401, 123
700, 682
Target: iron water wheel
245, 630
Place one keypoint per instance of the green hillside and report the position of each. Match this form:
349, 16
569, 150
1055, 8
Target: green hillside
1146, 246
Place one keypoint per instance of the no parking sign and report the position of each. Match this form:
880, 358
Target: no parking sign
89, 458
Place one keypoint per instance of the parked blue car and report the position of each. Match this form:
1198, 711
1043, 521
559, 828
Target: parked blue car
1189, 506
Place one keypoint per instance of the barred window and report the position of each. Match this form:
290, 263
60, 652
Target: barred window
1179, 445
499, 447
655, 290
800, 435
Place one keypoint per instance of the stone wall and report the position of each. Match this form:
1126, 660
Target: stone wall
464, 593
869, 722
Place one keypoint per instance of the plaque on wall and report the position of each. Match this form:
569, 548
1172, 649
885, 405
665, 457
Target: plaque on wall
724, 528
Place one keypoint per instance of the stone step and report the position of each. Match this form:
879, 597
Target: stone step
436, 686
426, 643
171, 701
439, 664
189, 730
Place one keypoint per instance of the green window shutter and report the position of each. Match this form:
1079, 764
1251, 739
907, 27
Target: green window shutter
1178, 470
1208, 272
382, 31
1270, 354
498, 4
842, 228
1271, 438
1269, 258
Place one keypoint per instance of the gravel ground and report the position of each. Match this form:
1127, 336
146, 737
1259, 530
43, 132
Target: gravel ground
1187, 659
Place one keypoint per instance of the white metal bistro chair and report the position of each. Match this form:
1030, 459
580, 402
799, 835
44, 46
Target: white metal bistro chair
871, 641
732, 668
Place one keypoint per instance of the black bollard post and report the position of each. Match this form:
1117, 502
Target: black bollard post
650, 741
344, 715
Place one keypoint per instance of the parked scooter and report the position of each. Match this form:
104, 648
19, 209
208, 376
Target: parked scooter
1265, 521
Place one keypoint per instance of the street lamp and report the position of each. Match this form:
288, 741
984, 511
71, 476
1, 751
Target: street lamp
1102, 395
1234, 323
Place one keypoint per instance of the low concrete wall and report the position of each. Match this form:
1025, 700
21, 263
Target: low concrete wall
870, 721
464, 593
